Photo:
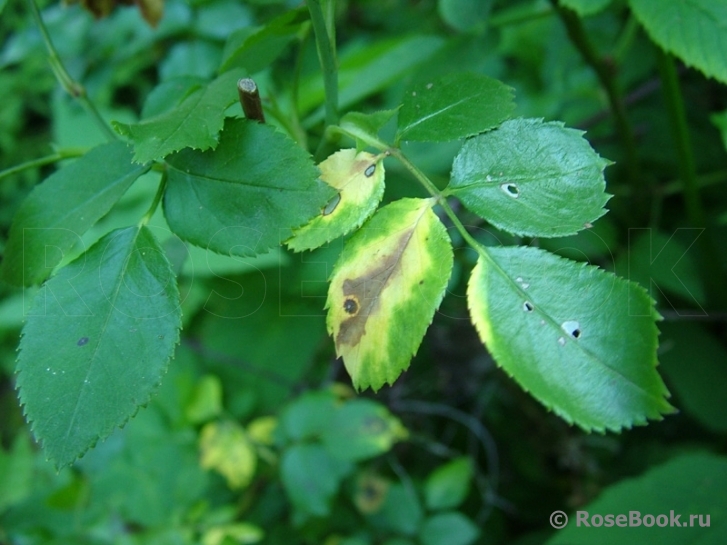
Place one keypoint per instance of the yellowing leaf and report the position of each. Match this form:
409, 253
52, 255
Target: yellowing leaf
359, 180
225, 448
386, 285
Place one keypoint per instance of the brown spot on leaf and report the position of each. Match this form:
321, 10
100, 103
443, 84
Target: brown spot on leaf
367, 288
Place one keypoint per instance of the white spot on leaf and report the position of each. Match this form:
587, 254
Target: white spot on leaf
561, 341
511, 190
572, 327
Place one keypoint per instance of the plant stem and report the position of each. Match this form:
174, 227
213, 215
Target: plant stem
326, 43
71, 86
604, 72
42, 161
157, 199
688, 173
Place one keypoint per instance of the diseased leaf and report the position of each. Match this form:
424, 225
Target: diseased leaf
693, 30
452, 107
97, 342
58, 211
579, 339
245, 197
194, 123
384, 290
225, 447
358, 179
254, 48
531, 178
585, 8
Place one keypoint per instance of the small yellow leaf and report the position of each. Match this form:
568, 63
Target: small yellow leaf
225, 447
262, 430
359, 179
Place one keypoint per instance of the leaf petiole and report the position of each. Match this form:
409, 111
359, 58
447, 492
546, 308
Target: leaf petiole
157, 198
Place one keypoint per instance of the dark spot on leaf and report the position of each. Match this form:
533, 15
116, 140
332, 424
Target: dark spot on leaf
332, 204
82, 341
527, 306
366, 290
370, 170
421, 282
350, 306
576, 333
511, 190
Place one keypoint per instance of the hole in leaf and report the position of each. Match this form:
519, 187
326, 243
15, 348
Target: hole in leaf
527, 306
370, 170
332, 204
511, 190
572, 328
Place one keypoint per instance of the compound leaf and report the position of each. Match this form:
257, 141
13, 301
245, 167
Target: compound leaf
246, 196
358, 179
581, 340
97, 342
58, 211
452, 107
693, 30
531, 178
194, 123
384, 290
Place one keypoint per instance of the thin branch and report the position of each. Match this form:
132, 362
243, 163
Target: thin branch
604, 72
72, 87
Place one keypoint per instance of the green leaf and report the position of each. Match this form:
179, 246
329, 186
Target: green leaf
194, 123
361, 429
308, 416
97, 342
366, 68
694, 364
385, 287
169, 94
448, 529
448, 485
206, 400
311, 477
452, 107
367, 123
358, 179
531, 178
677, 491
246, 196
463, 15
582, 341
256, 48
57, 212
584, 8
16, 472
693, 30
401, 511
